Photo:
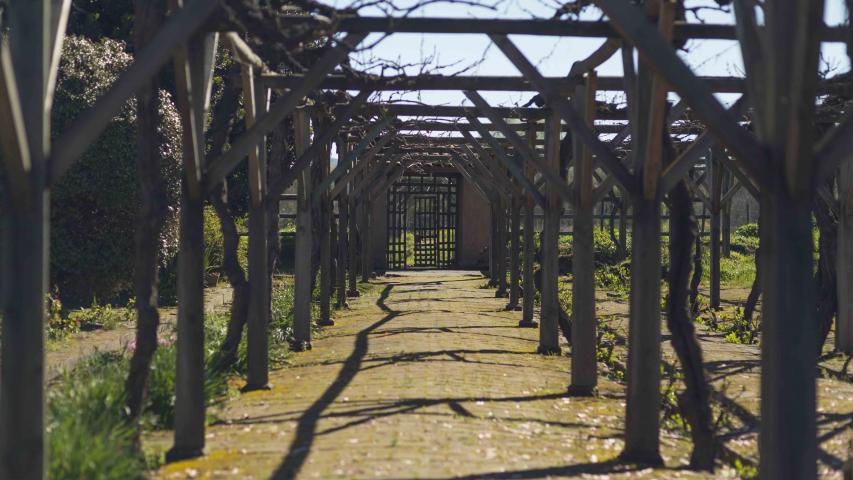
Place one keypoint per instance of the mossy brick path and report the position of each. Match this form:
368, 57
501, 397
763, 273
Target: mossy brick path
64, 354
427, 377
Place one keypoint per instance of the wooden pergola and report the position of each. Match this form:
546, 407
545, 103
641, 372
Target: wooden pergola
779, 162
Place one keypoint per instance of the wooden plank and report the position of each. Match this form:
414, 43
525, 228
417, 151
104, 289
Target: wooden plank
247, 77
302, 250
529, 293
550, 307
245, 55
581, 131
284, 106
346, 161
584, 377
176, 30
523, 148
515, 169
257, 324
539, 27
341, 118
25, 259
629, 20
564, 85
16, 152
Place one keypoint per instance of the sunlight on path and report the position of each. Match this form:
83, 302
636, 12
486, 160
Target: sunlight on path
428, 379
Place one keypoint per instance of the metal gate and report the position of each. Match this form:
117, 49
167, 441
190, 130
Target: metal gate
422, 218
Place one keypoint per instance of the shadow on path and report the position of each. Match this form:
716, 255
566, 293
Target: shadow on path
306, 429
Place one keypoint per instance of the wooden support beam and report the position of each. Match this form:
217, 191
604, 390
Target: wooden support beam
191, 75
59, 10
415, 110
352, 255
716, 209
552, 176
326, 238
632, 24
514, 250
13, 137
539, 27
550, 307
284, 106
529, 249
349, 177
844, 261
584, 362
346, 161
257, 325
833, 151
176, 30
342, 116
25, 259
302, 251
246, 56
580, 130
515, 169
563, 85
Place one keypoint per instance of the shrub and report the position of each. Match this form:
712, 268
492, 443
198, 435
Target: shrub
213, 241
86, 431
747, 230
106, 316
95, 204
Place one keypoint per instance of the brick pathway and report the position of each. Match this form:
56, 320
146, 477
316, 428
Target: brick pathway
428, 378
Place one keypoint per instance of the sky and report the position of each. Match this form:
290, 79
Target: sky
553, 56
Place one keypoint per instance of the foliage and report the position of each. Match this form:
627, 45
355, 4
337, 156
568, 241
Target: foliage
731, 323
737, 270
213, 241
86, 431
58, 325
747, 230
106, 316
95, 204
614, 278
745, 238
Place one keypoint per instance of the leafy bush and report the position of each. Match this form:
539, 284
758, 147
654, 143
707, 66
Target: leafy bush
87, 434
747, 230
95, 204
745, 238
106, 316
59, 326
213, 241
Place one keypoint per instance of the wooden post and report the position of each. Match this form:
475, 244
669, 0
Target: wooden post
257, 326
515, 234
844, 267
26, 262
327, 225
191, 79
623, 223
642, 406
366, 264
726, 217
343, 250
302, 261
550, 310
716, 195
584, 361
352, 255
500, 250
529, 248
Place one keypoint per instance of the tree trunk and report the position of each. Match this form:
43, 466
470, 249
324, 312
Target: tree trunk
825, 277
696, 279
694, 402
151, 215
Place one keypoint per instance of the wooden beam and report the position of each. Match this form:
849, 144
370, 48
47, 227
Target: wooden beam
563, 85
632, 24
302, 250
340, 185
413, 110
284, 106
557, 28
346, 161
245, 55
549, 240
504, 158
833, 150
176, 30
16, 152
552, 176
58, 21
580, 130
341, 118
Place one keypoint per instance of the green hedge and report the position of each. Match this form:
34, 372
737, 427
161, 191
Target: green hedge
94, 206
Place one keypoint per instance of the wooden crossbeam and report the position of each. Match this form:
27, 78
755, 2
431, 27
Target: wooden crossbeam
13, 138
521, 146
374, 174
341, 118
508, 162
412, 110
346, 161
245, 55
177, 30
560, 28
673, 173
497, 178
360, 166
632, 24
284, 106
564, 85
605, 156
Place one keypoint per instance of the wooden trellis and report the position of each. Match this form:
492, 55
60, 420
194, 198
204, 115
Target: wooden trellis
780, 163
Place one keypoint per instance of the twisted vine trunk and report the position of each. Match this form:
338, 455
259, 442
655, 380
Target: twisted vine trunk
825, 277
696, 279
694, 402
220, 129
151, 216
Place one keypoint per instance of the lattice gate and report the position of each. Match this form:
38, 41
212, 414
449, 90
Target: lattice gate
422, 217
